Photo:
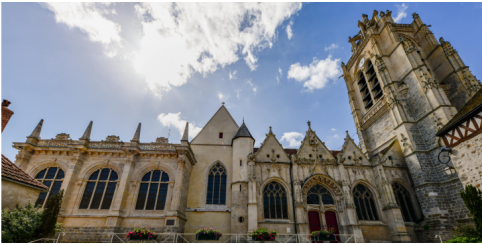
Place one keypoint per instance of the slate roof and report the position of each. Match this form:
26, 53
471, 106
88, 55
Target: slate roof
13, 172
473, 106
243, 132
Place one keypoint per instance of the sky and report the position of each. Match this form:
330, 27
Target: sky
164, 64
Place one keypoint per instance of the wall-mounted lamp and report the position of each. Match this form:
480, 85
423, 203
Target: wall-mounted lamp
444, 158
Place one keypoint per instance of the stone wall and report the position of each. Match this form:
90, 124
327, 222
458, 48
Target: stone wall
13, 193
379, 132
467, 160
375, 233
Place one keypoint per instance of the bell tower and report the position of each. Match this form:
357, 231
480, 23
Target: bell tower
403, 85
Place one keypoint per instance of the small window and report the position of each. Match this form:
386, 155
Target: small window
241, 163
241, 219
267, 155
240, 188
320, 156
311, 155
277, 156
220, 135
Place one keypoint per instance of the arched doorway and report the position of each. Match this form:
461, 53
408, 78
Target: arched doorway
314, 221
331, 222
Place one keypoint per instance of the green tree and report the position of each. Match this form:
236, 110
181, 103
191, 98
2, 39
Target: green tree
20, 224
473, 200
50, 215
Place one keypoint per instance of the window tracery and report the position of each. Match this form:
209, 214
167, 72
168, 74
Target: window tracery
153, 191
404, 202
52, 177
319, 194
216, 193
275, 201
364, 203
100, 189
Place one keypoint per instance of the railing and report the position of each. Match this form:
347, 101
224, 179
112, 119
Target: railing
230, 238
55, 239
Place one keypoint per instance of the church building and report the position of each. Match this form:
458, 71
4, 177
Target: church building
403, 86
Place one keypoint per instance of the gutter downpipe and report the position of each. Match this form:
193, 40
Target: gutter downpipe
293, 199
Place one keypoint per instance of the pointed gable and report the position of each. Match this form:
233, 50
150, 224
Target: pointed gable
273, 148
351, 154
312, 145
221, 122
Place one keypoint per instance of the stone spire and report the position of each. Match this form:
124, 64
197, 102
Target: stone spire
137, 135
86, 135
36, 132
185, 136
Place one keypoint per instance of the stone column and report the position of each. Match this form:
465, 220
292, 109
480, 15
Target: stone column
177, 194
23, 158
252, 204
122, 188
170, 190
352, 226
396, 225
68, 184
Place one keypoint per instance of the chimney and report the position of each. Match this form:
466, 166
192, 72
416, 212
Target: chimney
6, 113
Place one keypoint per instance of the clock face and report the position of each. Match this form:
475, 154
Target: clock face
362, 61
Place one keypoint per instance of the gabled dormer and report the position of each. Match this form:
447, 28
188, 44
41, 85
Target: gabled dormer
271, 150
313, 149
351, 154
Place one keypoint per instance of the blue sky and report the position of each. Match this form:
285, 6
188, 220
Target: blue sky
161, 65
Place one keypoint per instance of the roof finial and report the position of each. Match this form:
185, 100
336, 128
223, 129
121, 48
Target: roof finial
36, 131
223, 103
309, 124
87, 132
270, 131
185, 136
137, 135
243, 119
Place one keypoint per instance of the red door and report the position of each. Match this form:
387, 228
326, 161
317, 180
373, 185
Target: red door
314, 220
331, 222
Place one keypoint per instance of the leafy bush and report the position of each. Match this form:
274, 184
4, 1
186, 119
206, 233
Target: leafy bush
20, 224
263, 234
327, 231
458, 239
141, 233
209, 232
466, 230
473, 200
50, 215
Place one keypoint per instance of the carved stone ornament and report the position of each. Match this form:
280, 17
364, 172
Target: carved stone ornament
161, 140
406, 146
324, 181
380, 63
427, 81
62, 136
112, 139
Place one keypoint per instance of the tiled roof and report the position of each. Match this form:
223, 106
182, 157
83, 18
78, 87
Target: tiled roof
13, 172
243, 132
335, 152
472, 106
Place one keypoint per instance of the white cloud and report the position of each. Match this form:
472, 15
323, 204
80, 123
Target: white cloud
88, 17
317, 74
332, 46
401, 12
237, 93
289, 32
293, 138
333, 129
280, 71
174, 120
252, 85
232, 75
221, 97
336, 136
183, 38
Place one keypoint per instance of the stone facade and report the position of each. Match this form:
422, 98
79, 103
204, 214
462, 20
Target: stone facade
467, 158
403, 86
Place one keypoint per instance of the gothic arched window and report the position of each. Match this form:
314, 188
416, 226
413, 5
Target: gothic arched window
99, 191
51, 177
364, 203
318, 192
154, 187
216, 193
275, 203
404, 202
